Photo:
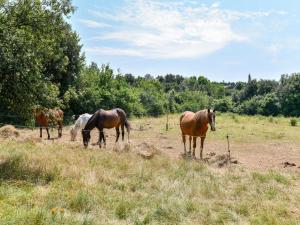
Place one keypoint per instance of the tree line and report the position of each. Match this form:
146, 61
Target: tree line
42, 64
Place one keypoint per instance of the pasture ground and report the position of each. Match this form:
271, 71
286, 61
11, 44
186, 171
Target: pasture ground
59, 182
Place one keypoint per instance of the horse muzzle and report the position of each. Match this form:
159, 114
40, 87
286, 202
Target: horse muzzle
213, 128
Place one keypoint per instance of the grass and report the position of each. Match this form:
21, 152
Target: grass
60, 183
240, 128
122, 189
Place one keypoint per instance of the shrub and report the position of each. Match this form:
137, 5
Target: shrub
293, 122
223, 104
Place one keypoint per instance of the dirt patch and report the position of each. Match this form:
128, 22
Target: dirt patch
269, 154
9, 131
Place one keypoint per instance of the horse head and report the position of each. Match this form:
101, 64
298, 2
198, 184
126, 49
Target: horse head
212, 119
86, 136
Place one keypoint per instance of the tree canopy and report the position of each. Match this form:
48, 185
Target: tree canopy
41, 63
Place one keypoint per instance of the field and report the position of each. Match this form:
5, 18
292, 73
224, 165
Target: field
60, 182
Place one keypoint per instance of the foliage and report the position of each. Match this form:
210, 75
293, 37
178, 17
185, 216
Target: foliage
223, 105
289, 94
39, 53
41, 64
293, 122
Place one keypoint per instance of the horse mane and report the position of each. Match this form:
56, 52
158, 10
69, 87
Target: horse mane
91, 122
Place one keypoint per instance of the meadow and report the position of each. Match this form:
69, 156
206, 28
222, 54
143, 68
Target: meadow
60, 182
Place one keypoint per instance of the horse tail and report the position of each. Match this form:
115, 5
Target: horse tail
182, 115
127, 125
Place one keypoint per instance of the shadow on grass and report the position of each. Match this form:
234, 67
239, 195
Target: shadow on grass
16, 168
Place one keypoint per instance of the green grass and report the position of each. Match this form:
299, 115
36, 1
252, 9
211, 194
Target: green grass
243, 129
59, 184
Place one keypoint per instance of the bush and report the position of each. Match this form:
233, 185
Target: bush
249, 107
223, 104
293, 122
269, 105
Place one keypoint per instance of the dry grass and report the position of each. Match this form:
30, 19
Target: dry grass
59, 182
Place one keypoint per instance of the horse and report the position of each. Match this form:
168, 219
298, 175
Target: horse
101, 119
44, 117
79, 124
196, 125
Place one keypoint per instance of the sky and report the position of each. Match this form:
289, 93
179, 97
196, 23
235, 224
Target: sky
221, 40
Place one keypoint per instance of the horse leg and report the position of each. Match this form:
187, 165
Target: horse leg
201, 148
41, 132
47, 129
118, 133
183, 140
190, 147
194, 146
103, 137
59, 130
100, 139
123, 132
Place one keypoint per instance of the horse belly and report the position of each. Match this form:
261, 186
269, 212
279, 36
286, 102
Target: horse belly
111, 122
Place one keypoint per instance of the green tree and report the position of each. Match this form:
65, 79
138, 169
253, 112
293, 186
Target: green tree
223, 105
38, 53
289, 94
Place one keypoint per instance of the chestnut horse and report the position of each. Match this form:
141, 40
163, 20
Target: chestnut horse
44, 117
114, 118
196, 125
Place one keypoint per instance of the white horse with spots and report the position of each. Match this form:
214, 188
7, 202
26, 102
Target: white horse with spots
79, 124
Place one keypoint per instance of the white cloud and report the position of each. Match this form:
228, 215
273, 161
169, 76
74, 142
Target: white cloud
274, 48
157, 29
113, 51
93, 24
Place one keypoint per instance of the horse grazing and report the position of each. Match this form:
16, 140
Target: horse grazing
44, 117
196, 125
101, 119
79, 124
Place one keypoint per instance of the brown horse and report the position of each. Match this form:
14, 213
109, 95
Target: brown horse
114, 118
44, 117
196, 125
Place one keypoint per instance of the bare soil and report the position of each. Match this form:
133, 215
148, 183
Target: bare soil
262, 155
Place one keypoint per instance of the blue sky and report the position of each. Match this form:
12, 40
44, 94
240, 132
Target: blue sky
222, 40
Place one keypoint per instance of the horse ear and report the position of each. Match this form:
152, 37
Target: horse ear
208, 110
214, 110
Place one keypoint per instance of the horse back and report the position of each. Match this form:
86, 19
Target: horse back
193, 125
109, 118
187, 123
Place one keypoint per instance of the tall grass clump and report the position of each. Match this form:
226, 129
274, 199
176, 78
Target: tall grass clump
15, 167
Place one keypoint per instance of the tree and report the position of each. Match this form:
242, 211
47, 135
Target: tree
39, 53
269, 105
223, 105
289, 94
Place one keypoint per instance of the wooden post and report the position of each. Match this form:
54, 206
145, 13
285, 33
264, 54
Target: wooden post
228, 147
167, 124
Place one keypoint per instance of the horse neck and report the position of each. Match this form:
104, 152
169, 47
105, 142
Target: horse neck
91, 124
201, 119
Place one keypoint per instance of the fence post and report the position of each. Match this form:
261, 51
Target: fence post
167, 124
228, 147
